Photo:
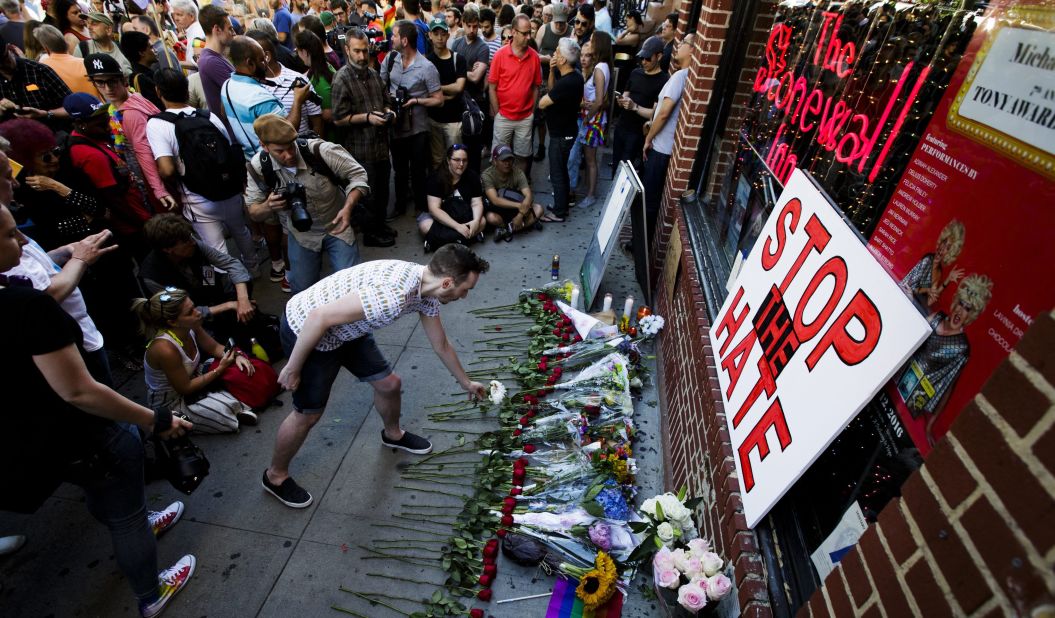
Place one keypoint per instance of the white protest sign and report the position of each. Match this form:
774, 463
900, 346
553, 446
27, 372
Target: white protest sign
812, 328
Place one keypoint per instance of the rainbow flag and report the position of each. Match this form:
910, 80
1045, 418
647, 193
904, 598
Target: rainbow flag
564, 603
390, 20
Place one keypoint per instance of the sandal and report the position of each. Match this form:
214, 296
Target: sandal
551, 217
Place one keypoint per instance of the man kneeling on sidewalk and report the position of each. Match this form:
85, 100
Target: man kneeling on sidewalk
329, 326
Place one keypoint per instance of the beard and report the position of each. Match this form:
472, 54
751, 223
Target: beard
261, 72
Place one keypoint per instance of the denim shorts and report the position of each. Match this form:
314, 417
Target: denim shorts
360, 356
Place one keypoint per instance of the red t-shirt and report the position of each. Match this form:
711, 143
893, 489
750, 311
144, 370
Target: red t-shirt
514, 78
128, 216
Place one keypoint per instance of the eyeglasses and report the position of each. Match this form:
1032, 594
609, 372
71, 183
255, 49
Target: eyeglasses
82, 16
460, 160
106, 83
523, 32
166, 296
51, 156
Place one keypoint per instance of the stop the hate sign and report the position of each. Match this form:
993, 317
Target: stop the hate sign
811, 330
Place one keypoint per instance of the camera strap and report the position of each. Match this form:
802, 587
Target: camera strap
312, 155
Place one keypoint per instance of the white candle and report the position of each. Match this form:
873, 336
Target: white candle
575, 297
628, 307
607, 302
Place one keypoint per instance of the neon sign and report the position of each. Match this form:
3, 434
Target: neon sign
852, 137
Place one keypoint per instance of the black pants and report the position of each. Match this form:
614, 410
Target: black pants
559, 152
410, 159
377, 174
627, 145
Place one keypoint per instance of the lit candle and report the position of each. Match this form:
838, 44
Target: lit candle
628, 307
607, 302
575, 297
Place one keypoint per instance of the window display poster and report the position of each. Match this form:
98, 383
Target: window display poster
811, 331
841, 540
968, 229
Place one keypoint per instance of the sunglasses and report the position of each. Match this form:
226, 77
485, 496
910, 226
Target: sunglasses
82, 16
51, 156
507, 38
166, 296
581, 22
455, 148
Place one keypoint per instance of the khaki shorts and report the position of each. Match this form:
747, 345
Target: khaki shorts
516, 134
444, 135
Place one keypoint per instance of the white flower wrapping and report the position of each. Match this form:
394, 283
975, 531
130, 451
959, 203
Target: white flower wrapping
498, 392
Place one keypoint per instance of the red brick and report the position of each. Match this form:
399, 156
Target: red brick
856, 577
818, 607
950, 475
753, 589
925, 590
1018, 489
1004, 556
1016, 398
1036, 346
1044, 449
756, 609
951, 556
838, 595
883, 574
875, 612
896, 531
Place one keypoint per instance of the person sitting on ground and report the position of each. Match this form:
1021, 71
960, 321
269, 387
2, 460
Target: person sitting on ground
456, 207
509, 204
176, 376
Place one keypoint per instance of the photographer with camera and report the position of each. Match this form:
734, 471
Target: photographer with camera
359, 105
414, 85
65, 426
313, 186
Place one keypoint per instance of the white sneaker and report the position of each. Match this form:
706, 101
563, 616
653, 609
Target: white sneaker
161, 521
170, 581
11, 544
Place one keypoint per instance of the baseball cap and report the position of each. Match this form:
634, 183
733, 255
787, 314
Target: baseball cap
438, 22
81, 105
502, 152
326, 17
102, 64
560, 12
652, 46
102, 18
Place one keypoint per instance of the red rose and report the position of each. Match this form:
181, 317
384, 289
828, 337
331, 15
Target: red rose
516, 491
490, 553
484, 595
524, 420
529, 448
522, 462
531, 399
516, 432
542, 366
578, 339
501, 532
507, 510
490, 569
531, 414
518, 477
485, 580
565, 337
566, 320
557, 371
509, 501
542, 296
476, 613
507, 520
551, 380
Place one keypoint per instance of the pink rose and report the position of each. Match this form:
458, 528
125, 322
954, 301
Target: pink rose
692, 597
693, 567
663, 559
718, 586
667, 578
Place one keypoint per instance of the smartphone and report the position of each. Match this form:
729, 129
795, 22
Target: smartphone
230, 346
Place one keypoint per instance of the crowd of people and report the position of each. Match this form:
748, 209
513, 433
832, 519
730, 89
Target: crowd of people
158, 159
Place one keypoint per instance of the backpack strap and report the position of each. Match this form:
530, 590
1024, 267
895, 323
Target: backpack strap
83, 47
267, 170
312, 155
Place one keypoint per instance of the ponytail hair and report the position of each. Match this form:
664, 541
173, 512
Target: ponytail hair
156, 312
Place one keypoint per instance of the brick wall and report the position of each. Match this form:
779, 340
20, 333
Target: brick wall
974, 531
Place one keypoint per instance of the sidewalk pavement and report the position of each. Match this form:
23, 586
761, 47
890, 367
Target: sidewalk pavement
257, 557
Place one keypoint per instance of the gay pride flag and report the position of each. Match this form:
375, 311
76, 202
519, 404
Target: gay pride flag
564, 603
390, 20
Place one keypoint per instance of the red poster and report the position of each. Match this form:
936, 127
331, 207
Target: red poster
968, 230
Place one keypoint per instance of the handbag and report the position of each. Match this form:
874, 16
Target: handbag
256, 391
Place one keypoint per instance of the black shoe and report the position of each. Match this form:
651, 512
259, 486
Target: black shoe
384, 230
396, 214
500, 234
409, 442
538, 225
288, 493
541, 154
509, 233
371, 240
428, 247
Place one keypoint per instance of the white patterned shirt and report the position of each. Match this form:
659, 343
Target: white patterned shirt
387, 288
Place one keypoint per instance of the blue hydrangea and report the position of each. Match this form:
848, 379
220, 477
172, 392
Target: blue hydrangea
612, 501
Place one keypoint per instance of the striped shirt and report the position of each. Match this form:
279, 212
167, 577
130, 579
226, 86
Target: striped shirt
283, 91
388, 289
245, 100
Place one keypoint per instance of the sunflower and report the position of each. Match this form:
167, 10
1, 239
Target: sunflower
598, 585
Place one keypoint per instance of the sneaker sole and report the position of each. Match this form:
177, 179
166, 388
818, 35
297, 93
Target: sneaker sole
422, 451
292, 505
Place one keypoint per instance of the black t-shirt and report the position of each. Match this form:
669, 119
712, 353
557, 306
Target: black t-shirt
467, 188
562, 117
644, 90
450, 70
42, 432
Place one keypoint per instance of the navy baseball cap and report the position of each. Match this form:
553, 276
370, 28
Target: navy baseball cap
80, 105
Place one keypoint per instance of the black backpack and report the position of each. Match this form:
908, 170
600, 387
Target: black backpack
214, 168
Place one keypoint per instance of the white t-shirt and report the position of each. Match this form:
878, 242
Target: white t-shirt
38, 266
589, 90
195, 32
283, 91
663, 142
387, 288
162, 137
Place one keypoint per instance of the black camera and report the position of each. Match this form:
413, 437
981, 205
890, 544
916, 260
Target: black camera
296, 197
181, 462
312, 96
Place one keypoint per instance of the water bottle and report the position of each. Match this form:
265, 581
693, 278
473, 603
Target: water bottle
258, 350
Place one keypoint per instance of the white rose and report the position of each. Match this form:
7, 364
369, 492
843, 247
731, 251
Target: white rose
699, 547
649, 506
681, 559
712, 563
718, 586
665, 532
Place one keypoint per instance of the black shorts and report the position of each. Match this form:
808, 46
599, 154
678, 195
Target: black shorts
507, 214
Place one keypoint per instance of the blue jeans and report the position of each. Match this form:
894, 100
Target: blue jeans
559, 151
305, 265
118, 501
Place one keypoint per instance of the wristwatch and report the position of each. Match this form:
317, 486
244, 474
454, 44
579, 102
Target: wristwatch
51, 114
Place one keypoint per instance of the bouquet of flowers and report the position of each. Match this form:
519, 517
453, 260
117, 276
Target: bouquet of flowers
667, 523
694, 572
